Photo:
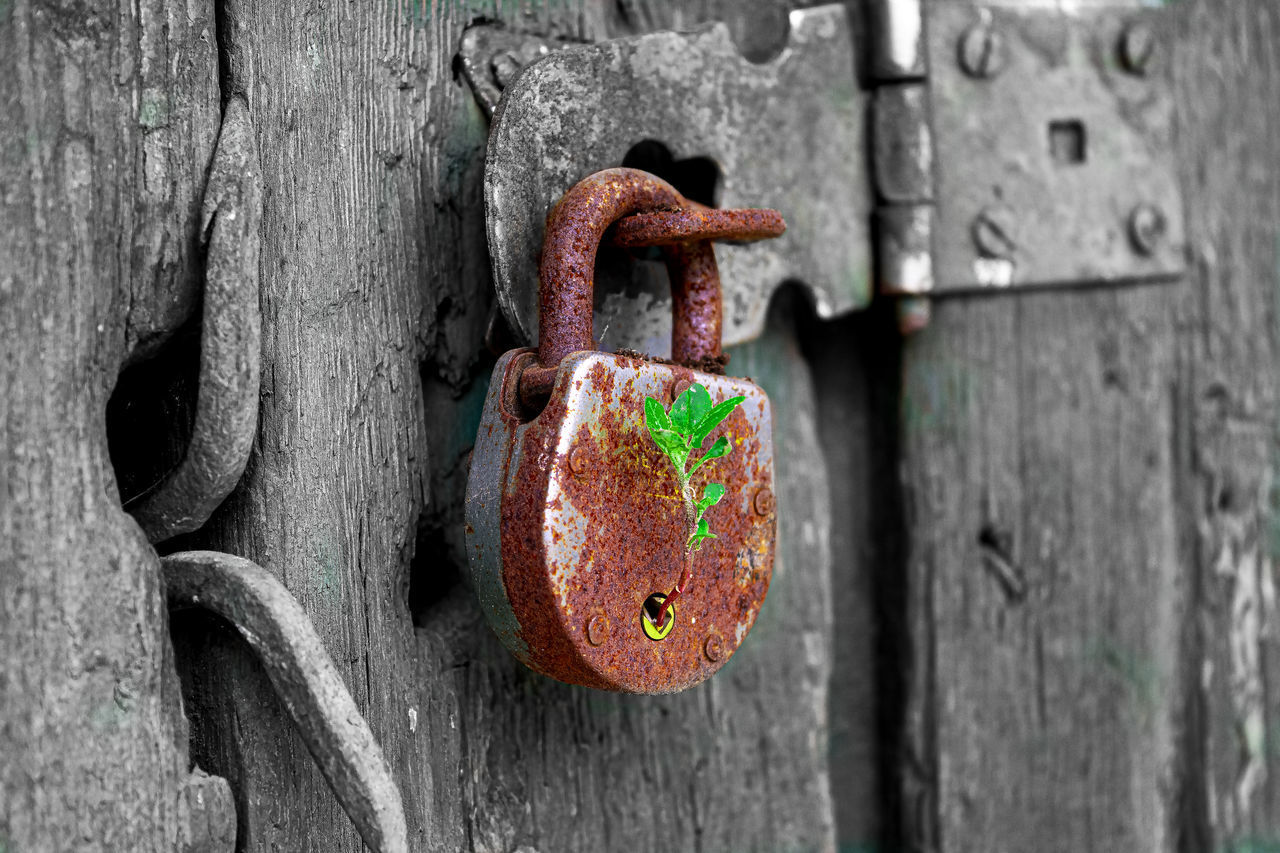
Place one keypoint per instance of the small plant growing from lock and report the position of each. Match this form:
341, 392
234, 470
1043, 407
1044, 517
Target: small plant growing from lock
678, 433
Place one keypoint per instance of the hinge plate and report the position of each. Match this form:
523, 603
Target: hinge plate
1013, 145
1051, 140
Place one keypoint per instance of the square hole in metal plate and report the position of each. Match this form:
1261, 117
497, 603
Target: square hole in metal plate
1067, 142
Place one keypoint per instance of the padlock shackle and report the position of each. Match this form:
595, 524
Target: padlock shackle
652, 213
566, 270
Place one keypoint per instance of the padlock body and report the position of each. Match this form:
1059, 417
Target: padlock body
574, 519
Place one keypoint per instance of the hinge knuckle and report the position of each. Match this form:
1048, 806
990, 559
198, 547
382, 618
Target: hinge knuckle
1017, 147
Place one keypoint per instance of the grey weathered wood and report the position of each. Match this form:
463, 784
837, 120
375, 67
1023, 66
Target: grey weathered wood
1227, 67
1045, 587
109, 120
1089, 500
855, 371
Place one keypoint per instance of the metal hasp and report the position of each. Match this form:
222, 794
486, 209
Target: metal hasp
789, 131
1024, 146
272, 622
576, 527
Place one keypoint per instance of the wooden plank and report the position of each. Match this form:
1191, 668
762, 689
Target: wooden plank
1227, 63
353, 108
1046, 587
856, 371
109, 121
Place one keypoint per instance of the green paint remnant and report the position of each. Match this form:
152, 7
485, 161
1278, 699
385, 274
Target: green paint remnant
329, 559
1251, 845
466, 135
314, 54
860, 284
1255, 736
114, 713
6, 12
1140, 674
1273, 504
416, 12
934, 395
154, 109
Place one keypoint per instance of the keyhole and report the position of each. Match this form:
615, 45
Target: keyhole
697, 178
649, 617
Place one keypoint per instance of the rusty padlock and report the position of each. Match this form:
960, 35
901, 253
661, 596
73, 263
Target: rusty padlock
576, 528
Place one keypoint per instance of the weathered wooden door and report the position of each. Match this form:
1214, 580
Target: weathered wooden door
1024, 593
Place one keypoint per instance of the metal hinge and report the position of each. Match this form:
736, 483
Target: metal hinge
1011, 146
1020, 146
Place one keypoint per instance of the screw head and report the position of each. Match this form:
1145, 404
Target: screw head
713, 648
993, 232
763, 502
578, 461
1147, 227
598, 629
679, 388
1137, 48
982, 51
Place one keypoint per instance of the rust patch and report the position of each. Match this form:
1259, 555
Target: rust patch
575, 514
656, 215
581, 551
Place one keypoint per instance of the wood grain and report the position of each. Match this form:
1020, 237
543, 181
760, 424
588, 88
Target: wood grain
1089, 493
110, 117
1227, 69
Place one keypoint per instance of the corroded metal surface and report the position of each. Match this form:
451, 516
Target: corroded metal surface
1060, 136
666, 219
280, 632
786, 132
230, 332
491, 56
665, 227
574, 519
566, 272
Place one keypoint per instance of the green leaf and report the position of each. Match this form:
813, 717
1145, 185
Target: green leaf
670, 442
718, 449
680, 414
655, 417
702, 532
690, 408
712, 419
711, 496
699, 404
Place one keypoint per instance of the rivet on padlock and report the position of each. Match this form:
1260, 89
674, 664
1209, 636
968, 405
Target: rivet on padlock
575, 524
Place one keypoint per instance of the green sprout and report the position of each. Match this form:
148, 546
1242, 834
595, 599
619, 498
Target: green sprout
678, 433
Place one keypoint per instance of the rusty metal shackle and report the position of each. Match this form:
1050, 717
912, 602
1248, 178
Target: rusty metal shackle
656, 215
